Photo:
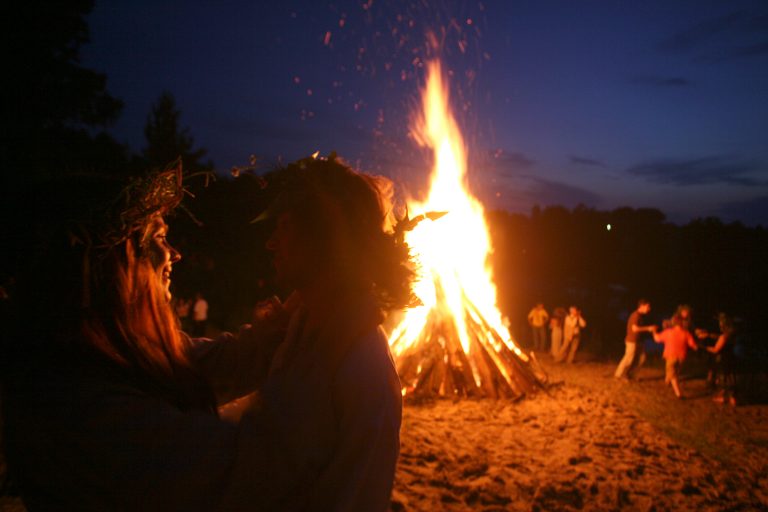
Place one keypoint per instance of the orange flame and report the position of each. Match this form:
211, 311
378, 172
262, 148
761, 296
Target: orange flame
454, 279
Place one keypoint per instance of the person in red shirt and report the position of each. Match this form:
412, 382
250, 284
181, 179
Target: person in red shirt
676, 341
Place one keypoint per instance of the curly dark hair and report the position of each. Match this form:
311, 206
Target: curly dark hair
345, 217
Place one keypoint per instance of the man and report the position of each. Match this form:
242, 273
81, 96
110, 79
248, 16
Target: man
572, 327
632, 349
537, 319
333, 380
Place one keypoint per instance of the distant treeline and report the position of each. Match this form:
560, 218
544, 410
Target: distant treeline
554, 255
604, 261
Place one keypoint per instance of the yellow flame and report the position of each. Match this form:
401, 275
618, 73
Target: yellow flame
452, 252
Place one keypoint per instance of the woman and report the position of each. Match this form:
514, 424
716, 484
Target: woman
334, 380
722, 374
676, 339
107, 405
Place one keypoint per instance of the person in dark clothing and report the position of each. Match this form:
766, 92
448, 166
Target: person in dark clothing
334, 376
634, 355
722, 373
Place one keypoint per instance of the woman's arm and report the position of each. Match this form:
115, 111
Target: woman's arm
235, 365
721, 341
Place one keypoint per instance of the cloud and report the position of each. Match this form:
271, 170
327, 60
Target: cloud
738, 34
661, 81
514, 159
752, 211
753, 50
581, 160
700, 171
548, 192
521, 192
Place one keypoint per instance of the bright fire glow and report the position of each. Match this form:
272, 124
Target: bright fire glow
454, 282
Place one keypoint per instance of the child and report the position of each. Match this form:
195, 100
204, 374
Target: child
676, 341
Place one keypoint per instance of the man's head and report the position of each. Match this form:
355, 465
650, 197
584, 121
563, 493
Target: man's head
573, 311
643, 306
331, 229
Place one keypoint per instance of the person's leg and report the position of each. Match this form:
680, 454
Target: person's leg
563, 352
541, 337
638, 360
667, 371
574, 348
676, 387
673, 371
557, 338
626, 361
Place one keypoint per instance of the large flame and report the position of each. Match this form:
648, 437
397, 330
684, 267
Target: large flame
454, 279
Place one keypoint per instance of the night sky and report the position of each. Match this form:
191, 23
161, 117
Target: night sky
646, 104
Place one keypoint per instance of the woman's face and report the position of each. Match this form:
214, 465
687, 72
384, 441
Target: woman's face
161, 254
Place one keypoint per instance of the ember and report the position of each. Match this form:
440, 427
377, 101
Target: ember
454, 343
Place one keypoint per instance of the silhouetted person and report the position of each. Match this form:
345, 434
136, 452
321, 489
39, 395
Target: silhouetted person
556, 324
537, 319
334, 379
572, 327
634, 353
199, 315
722, 374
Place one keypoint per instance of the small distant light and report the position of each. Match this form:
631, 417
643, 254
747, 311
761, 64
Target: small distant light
608, 227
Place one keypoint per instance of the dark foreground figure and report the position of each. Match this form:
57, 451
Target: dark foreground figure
109, 406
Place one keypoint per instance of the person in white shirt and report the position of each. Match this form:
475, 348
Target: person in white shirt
199, 316
573, 325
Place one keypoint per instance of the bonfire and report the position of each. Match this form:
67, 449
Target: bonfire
454, 343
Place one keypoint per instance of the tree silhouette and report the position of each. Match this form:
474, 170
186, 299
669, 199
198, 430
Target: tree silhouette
52, 106
167, 140
55, 112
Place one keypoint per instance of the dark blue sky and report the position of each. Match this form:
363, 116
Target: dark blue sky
654, 103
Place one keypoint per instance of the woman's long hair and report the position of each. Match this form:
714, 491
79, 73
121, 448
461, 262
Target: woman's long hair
128, 319
103, 306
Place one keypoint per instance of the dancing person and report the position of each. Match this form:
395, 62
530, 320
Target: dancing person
722, 374
634, 354
572, 327
537, 319
676, 340
556, 331
334, 380
107, 405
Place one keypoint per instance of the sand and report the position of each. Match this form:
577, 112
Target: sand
589, 443
573, 448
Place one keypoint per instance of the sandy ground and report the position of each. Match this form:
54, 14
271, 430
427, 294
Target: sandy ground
589, 443
584, 446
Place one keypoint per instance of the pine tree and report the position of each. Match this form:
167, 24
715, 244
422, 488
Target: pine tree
167, 140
